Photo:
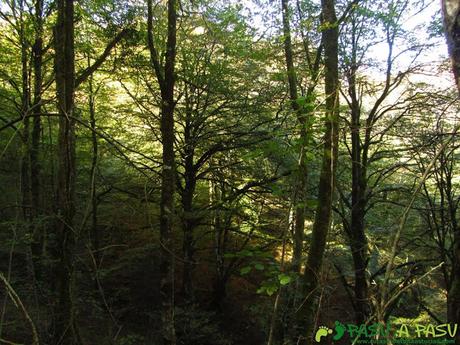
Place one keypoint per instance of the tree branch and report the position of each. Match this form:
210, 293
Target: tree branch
100, 60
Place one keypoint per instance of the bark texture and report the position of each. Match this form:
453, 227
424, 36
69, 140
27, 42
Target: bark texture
451, 13
301, 176
307, 312
65, 331
35, 167
356, 230
166, 79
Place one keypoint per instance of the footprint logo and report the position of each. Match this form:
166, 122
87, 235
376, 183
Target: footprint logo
339, 331
322, 332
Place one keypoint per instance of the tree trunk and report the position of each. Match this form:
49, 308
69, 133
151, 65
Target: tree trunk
25, 108
166, 222
223, 270
220, 284
35, 168
453, 295
188, 227
166, 79
290, 295
95, 240
65, 324
357, 236
451, 13
301, 176
219, 292
358, 243
307, 312
188, 219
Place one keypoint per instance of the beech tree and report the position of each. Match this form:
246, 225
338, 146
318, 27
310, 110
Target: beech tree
326, 187
66, 329
166, 79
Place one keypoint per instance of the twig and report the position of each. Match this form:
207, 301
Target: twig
404, 217
4, 341
17, 301
10, 262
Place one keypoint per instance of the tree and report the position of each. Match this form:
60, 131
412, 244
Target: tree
35, 166
166, 79
373, 115
299, 200
323, 216
440, 200
66, 330
451, 14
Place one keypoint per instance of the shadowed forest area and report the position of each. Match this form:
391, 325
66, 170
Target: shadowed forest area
260, 172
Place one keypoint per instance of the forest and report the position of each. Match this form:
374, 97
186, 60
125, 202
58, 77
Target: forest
258, 172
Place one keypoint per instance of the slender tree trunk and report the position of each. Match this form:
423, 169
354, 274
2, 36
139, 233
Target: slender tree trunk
166, 79
35, 168
223, 272
25, 173
357, 236
359, 249
66, 331
290, 295
188, 241
301, 176
308, 310
274, 333
166, 222
220, 283
25, 108
94, 233
453, 294
188, 219
451, 14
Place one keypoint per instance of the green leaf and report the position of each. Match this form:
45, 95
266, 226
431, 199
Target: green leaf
259, 267
261, 289
271, 290
246, 252
284, 279
245, 270
311, 203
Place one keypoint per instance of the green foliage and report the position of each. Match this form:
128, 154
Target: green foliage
274, 281
197, 327
131, 339
435, 27
237, 147
260, 262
